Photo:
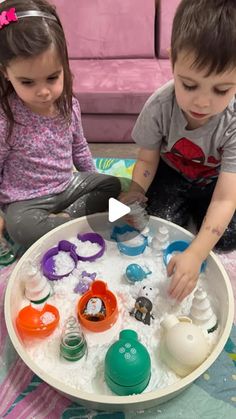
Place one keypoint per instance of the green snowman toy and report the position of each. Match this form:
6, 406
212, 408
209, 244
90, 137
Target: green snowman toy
127, 365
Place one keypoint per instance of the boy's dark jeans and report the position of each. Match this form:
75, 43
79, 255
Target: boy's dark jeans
172, 197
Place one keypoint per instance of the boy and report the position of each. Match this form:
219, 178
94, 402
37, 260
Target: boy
186, 166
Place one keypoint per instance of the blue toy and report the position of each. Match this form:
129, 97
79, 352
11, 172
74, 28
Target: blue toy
124, 248
135, 272
177, 247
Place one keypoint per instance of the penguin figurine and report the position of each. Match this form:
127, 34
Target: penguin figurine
143, 306
95, 309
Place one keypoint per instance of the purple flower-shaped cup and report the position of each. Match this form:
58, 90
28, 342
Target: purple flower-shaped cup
93, 238
48, 262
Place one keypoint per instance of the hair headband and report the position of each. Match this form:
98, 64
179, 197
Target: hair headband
10, 15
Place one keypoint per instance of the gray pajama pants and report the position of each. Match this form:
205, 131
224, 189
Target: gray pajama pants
27, 221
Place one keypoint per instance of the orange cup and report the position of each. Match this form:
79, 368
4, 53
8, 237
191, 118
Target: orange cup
98, 289
32, 323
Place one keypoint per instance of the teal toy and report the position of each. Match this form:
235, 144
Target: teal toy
127, 365
135, 272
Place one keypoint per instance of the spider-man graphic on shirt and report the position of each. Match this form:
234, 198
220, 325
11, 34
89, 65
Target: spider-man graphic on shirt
189, 160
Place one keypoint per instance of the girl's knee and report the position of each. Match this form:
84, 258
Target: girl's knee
19, 233
22, 226
112, 185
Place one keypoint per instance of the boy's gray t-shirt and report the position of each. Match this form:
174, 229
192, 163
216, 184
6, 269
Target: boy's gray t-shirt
199, 154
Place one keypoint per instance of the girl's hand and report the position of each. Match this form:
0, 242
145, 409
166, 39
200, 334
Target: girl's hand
129, 198
184, 269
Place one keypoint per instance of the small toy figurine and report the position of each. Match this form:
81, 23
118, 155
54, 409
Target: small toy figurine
73, 344
135, 272
160, 241
85, 282
163, 234
143, 306
95, 309
201, 311
37, 288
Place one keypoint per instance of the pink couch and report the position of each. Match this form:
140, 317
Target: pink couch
118, 53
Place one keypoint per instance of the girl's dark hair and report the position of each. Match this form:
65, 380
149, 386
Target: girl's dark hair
206, 28
27, 38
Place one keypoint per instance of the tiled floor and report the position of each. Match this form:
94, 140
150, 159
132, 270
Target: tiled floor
118, 150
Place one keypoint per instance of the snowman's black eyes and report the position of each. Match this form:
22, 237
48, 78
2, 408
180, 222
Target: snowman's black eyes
144, 288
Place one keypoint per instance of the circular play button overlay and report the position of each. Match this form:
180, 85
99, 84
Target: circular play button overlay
129, 208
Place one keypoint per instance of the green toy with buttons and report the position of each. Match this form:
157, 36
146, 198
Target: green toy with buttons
127, 365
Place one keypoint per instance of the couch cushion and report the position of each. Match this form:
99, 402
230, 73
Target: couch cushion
108, 128
166, 70
108, 28
117, 86
166, 14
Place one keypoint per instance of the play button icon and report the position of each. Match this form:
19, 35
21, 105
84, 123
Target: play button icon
116, 210
113, 213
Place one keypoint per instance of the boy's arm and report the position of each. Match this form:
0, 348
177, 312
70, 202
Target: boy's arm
144, 171
218, 216
145, 168
185, 267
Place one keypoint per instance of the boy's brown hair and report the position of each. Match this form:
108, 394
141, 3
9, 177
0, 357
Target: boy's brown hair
206, 28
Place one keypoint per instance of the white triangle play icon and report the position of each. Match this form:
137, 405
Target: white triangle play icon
116, 210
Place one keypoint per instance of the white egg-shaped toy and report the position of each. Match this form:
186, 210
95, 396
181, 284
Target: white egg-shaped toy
184, 346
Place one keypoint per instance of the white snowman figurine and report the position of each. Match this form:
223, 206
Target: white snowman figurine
160, 241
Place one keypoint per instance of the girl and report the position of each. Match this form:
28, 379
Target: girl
41, 135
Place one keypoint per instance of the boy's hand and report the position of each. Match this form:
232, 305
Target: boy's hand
129, 198
184, 268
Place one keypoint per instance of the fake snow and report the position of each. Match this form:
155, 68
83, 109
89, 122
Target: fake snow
129, 240
63, 263
87, 374
85, 248
47, 318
